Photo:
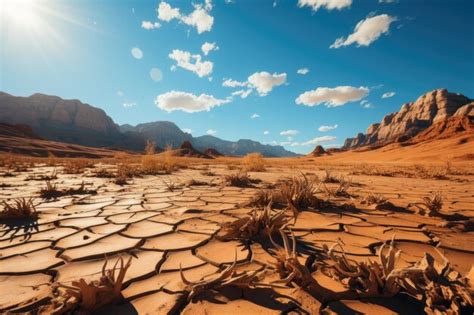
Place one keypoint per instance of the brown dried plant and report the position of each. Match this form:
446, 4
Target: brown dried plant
84, 298
300, 193
50, 191
260, 223
433, 204
254, 162
227, 277
239, 179
20, 208
371, 199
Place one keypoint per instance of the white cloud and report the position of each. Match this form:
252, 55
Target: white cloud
266, 132
137, 53
187, 130
325, 128
254, 116
388, 1
242, 93
211, 132
208, 47
120, 93
234, 83
156, 74
199, 18
289, 133
303, 71
332, 97
167, 13
129, 104
264, 81
187, 102
150, 25
193, 63
388, 94
366, 31
319, 140
366, 104
315, 5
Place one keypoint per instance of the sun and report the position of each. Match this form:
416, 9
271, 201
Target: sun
22, 14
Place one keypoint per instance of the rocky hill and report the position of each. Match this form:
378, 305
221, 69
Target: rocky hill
167, 133
69, 121
431, 113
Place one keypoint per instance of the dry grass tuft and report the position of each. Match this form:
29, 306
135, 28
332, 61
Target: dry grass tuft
85, 298
371, 199
228, 277
20, 208
76, 166
260, 223
300, 193
254, 162
329, 177
52, 192
54, 175
240, 179
432, 204
154, 164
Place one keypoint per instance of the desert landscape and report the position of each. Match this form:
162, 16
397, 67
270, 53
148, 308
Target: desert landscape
339, 182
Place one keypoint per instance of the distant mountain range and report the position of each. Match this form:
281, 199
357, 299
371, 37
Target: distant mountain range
435, 115
71, 121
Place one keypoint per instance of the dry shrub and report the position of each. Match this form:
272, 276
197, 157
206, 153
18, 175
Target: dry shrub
259, 223
300, 193
253, 162
54, 175
20, 208
51, 160
102, 173
228, 277
341, 190
85, 298
240, 179
164, 163
329, 177
430, 172
432, 204
371, 199
52, 192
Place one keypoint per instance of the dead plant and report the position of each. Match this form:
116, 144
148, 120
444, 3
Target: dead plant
239, 179
85, 298
300, 193
371, 199
50, 191
20, 208
259, 223
432, 204
227, 277
253, 162
329, 178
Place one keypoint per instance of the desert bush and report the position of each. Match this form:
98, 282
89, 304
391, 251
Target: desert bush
329, 177
261, 223
54, 175
300, 193
52, 192
371, 199
432, 204
240, 179
51, 160
20, 208
164, 163
76, 166
85, 298
253, 162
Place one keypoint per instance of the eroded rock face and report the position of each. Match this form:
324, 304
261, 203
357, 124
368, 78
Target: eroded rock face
318, 151
432, 108
70, 121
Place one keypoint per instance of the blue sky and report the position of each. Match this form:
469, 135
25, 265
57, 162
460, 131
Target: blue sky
83, 50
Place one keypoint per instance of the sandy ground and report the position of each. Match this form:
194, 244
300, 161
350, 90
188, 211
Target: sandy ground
164, 230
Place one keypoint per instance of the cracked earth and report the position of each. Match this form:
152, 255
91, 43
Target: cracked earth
165, 230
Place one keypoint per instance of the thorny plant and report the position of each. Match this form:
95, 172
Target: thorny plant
432, 204
84, 298
300, 193
239, 179
260, 223
227, 277
20, 208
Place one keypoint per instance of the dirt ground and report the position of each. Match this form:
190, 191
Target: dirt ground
169, 222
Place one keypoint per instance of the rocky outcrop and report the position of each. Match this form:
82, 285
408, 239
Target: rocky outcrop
69, 121
318, 151
430, 109
186, 149
18, 131
212, 152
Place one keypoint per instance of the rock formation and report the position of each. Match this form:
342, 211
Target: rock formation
435, 107
318, 151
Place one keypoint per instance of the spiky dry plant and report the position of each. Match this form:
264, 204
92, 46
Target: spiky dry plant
371, 199
253, 162
20, 208
329, 178
260, 223
341, 190
300, 193
84, 298
54, 175
371, 278
239, 179
50, 191
227, 277
81, 190
433, 204
170, 185
76, 166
